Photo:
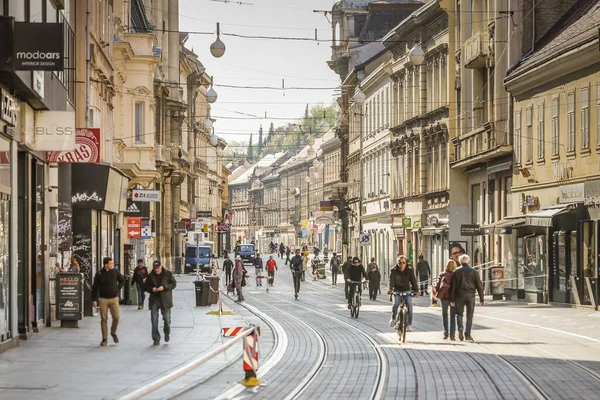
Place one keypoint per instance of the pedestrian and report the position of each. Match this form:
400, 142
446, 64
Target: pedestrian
228, 267
465, 281
288, 252
296, 265
334, 266
316, 250
74, 268
374, 277
442, 289
271, 267
304, 262
258, 269
238, 275
345, 267
160, 284
140, 273
354, 273
423, 272
281, 250
108, 282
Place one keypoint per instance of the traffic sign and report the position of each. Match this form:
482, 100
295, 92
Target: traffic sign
134, 228
365, 239
146, 231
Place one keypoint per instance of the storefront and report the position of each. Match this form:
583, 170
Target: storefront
7, 227
590, 246
97, 204
435, 236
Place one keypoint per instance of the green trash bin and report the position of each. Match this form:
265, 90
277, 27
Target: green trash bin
321, 271
213, 295
133, 297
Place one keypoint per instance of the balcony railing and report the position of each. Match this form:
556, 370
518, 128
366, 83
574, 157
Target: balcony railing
476, 50
481, 146
163, 154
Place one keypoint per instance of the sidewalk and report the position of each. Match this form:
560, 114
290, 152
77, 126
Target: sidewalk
69, 363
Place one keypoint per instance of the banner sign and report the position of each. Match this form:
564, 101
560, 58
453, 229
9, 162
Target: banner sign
54, 131
134, 228
135, 209
150, 196
326, 206
87, 148
38, 46
69, 296
203, 214
470, 230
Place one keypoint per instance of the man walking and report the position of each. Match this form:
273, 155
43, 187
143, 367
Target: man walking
108, 282
424, 271
296, 265
281, 250
258, 269
228, 267
271, 267
140, 273
238, 276
334, 266
465, 281
288, 252
345, 267
160, 284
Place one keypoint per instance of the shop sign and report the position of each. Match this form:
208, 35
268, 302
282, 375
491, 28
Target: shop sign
222, 228
470, 230
38, 46
324, 218
326, 205
69, 296
134, 228
417, 222
8, 108
527, 201
592, 193
146, 230
135, 209
54, 130
406, 222
574, 193
399, 232
87, 148
149, 196
203, 214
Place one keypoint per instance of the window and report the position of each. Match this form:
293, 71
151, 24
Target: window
139, 123
571, 122
540, 131
518, 137
585, 118
529, 133
555, 136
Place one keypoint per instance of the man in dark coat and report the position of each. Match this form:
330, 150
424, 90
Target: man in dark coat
228, 267
296, 265
424, 272
345, 266
465, 281
140, 273
160, 284
354, 273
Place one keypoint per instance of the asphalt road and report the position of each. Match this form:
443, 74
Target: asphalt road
311, 348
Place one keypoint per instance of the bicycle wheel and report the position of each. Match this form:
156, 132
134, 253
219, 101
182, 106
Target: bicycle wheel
404, 325
352, 310
400, 324
357, 305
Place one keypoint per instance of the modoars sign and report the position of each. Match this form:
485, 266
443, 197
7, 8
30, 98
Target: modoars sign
38, 46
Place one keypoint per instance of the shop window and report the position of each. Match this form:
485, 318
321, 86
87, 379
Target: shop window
534, 262
588, 258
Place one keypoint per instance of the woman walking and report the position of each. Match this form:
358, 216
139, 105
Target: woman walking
443, 293
374, 277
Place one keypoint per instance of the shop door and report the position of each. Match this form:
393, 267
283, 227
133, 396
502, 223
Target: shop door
587, 273
561, 271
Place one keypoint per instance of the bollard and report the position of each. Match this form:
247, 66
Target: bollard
251, 359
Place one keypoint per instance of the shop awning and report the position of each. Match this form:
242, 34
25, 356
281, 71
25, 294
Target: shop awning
506, 223
544, 217
434, 230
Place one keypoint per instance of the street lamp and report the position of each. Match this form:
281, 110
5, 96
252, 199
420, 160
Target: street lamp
311, 152
208, 124
359, 97
217, 49
220, 152
214, 139
416, 55
324, 126
307, 179
310, 140
211, 94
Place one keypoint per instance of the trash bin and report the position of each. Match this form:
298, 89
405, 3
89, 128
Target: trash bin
133, 297
321, 271
202, 289
213, 295
126, 291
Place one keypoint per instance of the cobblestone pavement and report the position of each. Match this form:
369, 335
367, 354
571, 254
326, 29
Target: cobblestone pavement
311, 348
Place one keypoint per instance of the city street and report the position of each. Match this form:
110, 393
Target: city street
311, 348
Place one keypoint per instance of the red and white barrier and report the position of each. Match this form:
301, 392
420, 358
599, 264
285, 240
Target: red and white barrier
251, 359
228, 332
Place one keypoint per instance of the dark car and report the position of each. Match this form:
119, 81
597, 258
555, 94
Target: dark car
246, 252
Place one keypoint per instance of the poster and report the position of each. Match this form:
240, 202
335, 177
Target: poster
69, 296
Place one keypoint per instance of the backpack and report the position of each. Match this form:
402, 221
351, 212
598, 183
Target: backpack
335, 264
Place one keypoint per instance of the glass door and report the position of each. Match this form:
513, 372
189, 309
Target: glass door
588, 273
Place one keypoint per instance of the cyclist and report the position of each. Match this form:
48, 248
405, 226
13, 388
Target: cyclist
296, 265
354, 273
402, 278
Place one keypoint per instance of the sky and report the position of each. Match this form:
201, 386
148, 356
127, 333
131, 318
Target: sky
262, 62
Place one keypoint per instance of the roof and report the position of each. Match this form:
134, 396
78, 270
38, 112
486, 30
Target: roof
578, 26
263, 164
303, 156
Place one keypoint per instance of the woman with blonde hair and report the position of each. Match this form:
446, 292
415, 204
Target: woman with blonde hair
443, 290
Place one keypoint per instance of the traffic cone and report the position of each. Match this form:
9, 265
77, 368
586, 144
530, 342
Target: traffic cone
251, 360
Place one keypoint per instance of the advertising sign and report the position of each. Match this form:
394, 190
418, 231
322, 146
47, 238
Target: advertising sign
150, 196
135, 209
203, 214
470, 230
69, 296
8, 108
406, 222
134, 228
326, 206
38, 46
146, 230
87, 148
574, 193
54, 131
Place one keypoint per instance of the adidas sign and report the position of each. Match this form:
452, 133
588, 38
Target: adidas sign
133, 208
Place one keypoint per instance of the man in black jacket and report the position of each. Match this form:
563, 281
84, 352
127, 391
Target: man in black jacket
105, 292
424, 272
296, 266
160, 284
465, 281
354, 273
345, 267
228, 267
140, 273
402, 280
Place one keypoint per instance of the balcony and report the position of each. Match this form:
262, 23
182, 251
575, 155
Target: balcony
476, 50
482, 145
163, 154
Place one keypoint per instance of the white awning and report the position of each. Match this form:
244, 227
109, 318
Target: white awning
544, 217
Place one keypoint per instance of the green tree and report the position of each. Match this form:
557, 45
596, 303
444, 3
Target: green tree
271, 134
250, 150
260, 141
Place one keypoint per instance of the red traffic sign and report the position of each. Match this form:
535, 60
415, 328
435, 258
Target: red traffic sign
134, 228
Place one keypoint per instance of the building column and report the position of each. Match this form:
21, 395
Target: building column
167, 223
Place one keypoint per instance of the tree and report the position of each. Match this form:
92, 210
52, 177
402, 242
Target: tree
250, 150
271, 133
260, 142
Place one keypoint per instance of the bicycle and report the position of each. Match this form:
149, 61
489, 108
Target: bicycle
355, 303
296, 277
401, 322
